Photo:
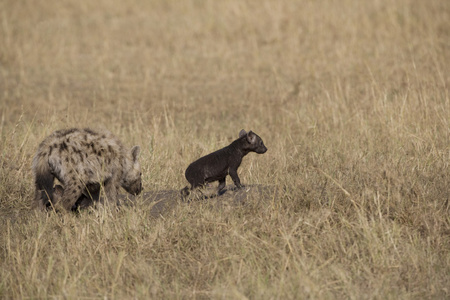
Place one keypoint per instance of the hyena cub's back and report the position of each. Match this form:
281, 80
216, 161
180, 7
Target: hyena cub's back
82, 157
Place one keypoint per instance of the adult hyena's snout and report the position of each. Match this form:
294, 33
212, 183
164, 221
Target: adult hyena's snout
134, 187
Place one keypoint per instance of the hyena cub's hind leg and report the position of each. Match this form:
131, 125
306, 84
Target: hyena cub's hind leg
185, 192
222, 183
193, 192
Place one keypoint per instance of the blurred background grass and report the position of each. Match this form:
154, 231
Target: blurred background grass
350, 97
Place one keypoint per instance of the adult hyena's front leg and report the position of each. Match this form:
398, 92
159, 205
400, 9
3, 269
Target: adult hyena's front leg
111, 188
70, 196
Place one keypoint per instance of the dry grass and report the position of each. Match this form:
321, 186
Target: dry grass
351, 98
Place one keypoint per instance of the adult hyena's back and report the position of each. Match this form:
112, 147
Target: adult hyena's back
77, 157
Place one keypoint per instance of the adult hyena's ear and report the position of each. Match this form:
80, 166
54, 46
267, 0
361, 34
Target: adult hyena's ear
135, 152
242, 133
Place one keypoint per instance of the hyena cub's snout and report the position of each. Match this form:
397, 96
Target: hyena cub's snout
256, 143
261, 148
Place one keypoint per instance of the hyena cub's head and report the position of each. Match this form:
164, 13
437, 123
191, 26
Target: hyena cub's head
254, 142
131, 181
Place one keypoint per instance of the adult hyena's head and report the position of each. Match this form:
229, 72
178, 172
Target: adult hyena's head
131, 181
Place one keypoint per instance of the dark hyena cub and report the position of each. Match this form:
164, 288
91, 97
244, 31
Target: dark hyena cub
82, 158
223, 162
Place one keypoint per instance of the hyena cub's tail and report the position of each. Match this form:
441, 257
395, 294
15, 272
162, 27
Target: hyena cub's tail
43, 180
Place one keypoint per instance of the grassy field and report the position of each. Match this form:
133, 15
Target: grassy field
350, 97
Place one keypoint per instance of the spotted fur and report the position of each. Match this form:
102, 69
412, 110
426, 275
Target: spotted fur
82, 158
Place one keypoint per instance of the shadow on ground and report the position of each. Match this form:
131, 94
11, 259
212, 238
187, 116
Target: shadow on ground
161, 202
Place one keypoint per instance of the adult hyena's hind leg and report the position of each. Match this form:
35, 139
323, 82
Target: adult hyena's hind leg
42, 199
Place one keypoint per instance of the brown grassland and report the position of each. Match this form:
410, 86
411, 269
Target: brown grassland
351, 98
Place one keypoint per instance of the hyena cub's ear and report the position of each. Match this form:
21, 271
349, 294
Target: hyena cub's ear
135, 152
251, 137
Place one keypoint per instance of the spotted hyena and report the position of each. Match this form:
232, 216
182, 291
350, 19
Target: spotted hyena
81, 159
